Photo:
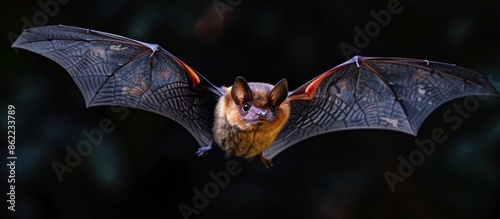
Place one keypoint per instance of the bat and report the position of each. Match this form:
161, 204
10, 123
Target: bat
249, 119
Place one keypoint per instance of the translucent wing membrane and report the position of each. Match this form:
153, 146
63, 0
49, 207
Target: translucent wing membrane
115, 70
375, 93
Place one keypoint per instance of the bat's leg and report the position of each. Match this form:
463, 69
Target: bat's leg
267, 163
202, 151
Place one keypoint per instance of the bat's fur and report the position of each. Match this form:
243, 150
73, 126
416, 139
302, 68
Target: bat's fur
243, 133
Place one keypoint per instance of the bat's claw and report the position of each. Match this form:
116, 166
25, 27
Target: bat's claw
267, 163
202, 151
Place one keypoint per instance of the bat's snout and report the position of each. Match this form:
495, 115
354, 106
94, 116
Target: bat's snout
262, 115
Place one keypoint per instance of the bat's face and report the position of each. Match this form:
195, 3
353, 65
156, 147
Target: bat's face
259, 110
257, 105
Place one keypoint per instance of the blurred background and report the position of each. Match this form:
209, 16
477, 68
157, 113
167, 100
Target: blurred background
146, 167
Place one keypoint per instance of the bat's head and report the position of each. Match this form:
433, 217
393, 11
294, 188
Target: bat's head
257, 105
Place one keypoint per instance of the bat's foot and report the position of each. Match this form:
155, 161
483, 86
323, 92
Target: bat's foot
202, 151
267, 163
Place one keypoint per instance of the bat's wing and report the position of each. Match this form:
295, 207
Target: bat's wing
375, 93
115, 70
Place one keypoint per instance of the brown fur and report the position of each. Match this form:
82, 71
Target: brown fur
246, 137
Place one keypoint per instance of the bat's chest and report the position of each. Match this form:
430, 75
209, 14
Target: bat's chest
244, 143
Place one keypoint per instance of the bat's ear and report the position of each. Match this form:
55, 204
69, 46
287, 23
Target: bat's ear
240, 92
279, 93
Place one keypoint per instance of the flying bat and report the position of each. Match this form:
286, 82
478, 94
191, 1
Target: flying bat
251, 119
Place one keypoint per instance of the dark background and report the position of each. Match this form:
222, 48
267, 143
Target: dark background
146, 166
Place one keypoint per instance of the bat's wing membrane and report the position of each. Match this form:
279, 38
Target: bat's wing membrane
375, 93
115, 70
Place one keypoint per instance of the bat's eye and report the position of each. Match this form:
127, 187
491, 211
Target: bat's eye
246, 107
272, 108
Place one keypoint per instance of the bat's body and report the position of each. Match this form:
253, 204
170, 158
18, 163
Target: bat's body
249, 117
253, 119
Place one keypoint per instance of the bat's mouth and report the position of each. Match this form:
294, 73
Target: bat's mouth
259, 121
256, 121
259, 117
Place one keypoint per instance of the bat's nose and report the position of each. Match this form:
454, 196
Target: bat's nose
262, 114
